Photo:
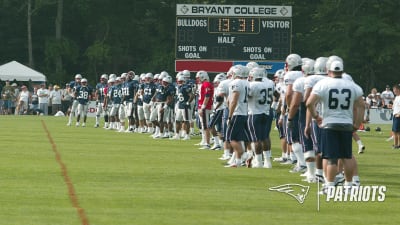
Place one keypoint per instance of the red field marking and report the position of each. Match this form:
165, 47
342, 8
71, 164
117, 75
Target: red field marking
71, 190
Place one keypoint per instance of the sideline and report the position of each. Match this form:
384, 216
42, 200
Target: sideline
71, 190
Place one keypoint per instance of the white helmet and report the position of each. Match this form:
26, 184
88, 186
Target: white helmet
167, 79
118, 79
104, 76
156, 76
331, 59
136, 77
78, 76
142, 77
202, 76
252, 65
186, 74
84, 81
180, 79
148, 75
292, 61
123, 76
245, 71
280, 73
113, 76
164, 73
219, 77
257, 72
308, 66
111, 80
320, 66
178, 75
240, 71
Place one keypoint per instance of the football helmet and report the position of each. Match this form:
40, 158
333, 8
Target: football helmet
113, 76
280, 73
123, 76
78, 76
136, 77
156, 76
292, 61
320, 66
308, 66
252, 65
178, 75
104, 76
202, 76
181, 79
148, 75
166, 80
219, 77
257, 72
111, 80
164, 73
84, 82
186, 74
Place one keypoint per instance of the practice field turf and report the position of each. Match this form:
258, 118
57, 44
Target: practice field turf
53, 174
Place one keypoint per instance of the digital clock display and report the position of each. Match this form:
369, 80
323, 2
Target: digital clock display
233, 32
234, 25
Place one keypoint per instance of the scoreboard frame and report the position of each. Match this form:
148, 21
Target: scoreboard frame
233, 32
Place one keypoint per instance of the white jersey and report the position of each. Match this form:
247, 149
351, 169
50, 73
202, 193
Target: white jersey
260, 97
298, 85
337, 98
396, 105
310, 81
241, 86
291, 76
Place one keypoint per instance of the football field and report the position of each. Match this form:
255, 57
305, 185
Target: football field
51, 174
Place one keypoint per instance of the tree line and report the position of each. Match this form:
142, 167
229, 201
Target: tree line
62, 38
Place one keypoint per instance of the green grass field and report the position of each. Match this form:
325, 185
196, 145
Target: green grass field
53, 174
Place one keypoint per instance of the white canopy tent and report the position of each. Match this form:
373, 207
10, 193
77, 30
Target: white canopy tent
15, 70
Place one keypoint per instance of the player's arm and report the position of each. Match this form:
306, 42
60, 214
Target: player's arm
311, 107
289, 94
233, 103
358, 112
295, 104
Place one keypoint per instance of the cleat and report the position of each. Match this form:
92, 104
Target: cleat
298, 169
339, 179
201, 143
83, 124
175, 137
280, 159
158, 136
77, 124
96, 125
216, 147
267, 164
320, 178
225, 157
68, 124
287, 162
205, 147
187, 137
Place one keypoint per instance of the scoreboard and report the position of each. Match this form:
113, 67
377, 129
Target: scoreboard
233, 32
